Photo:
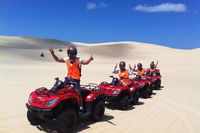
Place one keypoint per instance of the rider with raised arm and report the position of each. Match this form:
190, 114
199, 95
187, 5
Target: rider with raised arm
123, 72
152, 68
140, 71
73, 64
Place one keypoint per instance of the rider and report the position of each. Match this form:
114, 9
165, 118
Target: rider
140, 71
152, 67
74, 68
123, 72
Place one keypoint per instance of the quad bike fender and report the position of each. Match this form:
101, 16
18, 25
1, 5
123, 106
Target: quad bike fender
132, 89
91, 97
149, 82
91, 100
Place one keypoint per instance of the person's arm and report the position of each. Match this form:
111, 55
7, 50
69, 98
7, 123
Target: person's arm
130, 70
156, 64
55, 57
85, 62
134, 69
115, 70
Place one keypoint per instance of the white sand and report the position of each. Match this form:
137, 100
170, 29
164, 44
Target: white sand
175, 108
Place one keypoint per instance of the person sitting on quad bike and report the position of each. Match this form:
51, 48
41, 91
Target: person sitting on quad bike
152, 67
123, 72
74, 68
152, 70
140, 71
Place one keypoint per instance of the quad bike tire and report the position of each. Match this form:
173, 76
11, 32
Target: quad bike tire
158, 85
67, 121
33, 120
136, 96
151, 89
123, 102
98, 110
147, 92
153, 86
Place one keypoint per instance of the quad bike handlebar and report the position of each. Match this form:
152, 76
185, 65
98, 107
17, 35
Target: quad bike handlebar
111, 76
60, 84
117, 78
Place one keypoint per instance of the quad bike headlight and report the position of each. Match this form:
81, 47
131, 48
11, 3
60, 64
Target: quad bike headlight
30, 99
52, 102
116, 91
142, 84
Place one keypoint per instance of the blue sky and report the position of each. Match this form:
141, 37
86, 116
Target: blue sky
172, 23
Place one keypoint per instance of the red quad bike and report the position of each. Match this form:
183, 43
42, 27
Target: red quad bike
155, 78
119, 94
61, 103
144, 86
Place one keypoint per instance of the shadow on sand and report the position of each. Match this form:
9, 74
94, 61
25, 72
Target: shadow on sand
114, 106
84, 123
161, 88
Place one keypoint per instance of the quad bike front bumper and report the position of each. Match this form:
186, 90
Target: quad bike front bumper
44, 114
110, 98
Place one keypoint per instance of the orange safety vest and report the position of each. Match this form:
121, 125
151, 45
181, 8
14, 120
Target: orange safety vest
141, 73
74, 71
125, 75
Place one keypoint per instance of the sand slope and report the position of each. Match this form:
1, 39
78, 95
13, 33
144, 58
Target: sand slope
173, 109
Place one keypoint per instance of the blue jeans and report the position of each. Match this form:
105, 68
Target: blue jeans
76, 83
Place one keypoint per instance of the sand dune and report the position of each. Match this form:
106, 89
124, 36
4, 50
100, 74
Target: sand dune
30, 43
173, 109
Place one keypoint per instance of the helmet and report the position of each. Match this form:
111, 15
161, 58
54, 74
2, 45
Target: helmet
139, 65
72, 52
122, 65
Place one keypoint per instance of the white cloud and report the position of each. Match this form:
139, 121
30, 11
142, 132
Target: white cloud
91, 5
165, 7
101, 4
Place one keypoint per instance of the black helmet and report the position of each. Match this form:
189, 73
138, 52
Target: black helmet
72, 52
139, 65
122, 65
